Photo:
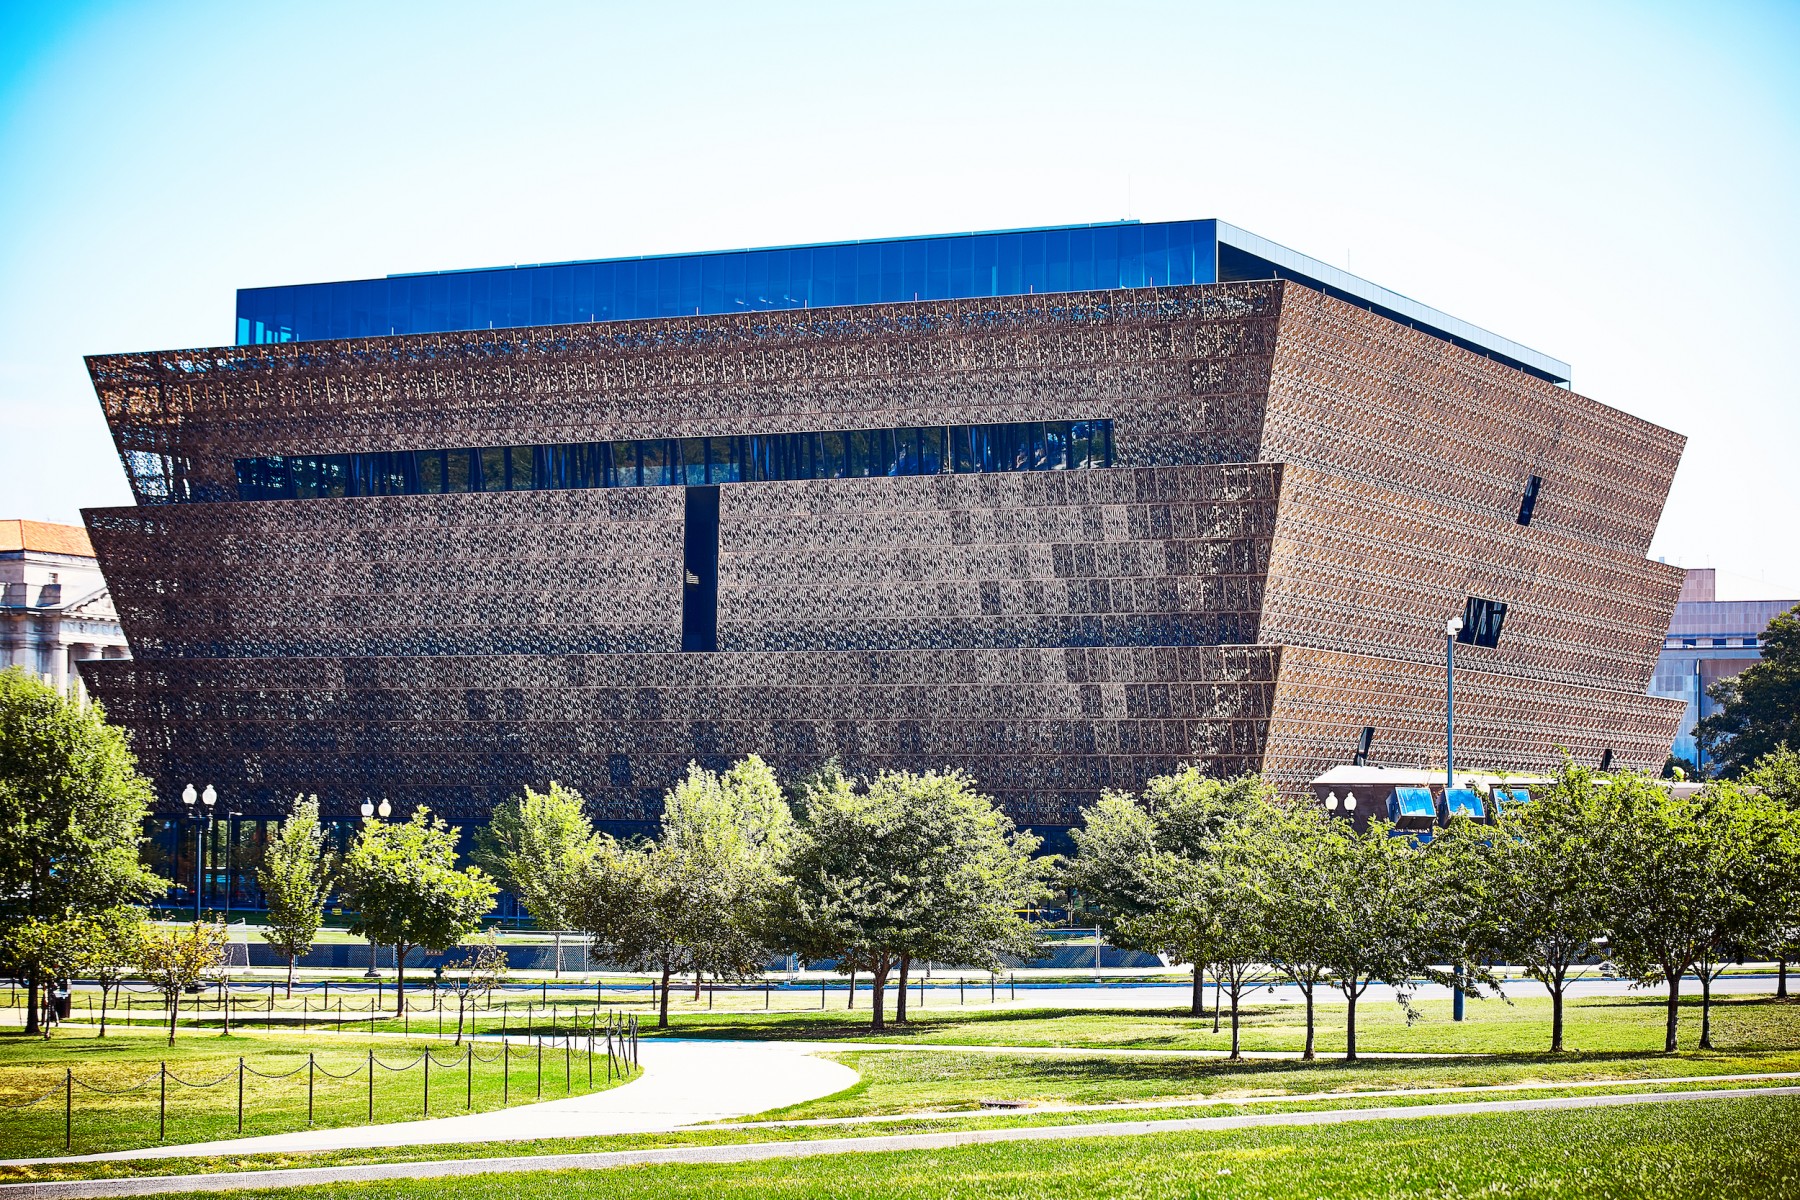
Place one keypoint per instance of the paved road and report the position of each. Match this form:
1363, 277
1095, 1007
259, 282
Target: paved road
684, 1083
762, 1151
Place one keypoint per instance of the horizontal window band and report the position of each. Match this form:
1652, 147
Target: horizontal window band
683, 462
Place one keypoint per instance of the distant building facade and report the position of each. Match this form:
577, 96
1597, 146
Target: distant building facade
1709, 640
55, 609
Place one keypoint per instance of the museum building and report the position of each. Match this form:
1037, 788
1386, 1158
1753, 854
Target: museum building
1063, 508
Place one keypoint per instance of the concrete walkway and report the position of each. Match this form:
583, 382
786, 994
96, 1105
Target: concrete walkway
762, 1151
684, 1083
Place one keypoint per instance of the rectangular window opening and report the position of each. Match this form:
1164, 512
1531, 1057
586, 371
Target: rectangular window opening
1482, 620
1528, 504
700, 567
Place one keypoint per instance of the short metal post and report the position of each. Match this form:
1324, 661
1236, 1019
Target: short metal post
427, 1060
68, 1108
568, 1054
309, 1087
469, 1080
162, 1103
505, 1072
240, 1127
540, 1068
371, 1087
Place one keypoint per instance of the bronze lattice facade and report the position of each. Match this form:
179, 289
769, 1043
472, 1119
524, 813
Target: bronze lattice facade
1300, 493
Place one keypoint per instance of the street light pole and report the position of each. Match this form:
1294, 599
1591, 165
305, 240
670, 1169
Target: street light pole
202, 831
1451, 628
368, 813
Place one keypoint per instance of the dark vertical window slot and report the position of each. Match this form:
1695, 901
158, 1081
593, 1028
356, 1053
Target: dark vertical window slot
700, 581
1528, 504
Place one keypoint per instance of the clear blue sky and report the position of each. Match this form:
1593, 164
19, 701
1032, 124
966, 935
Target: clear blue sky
1612, 184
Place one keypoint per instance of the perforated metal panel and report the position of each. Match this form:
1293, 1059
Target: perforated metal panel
1304, 493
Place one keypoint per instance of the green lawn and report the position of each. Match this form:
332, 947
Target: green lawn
910, 1081
1599, 1024
1701, 1149
117, 1099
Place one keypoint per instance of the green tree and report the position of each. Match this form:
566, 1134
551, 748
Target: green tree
1777, 776
1758, 710
402, 879
978, 873
1146, 866
111, 950
1549, 869
175, 960
43, 950
1687, 870
635, 903
72, 807
723, 839
698, 898
910, 866
1752, 845
482, 970
1378, 922
535, 847
1288, 847
295, 876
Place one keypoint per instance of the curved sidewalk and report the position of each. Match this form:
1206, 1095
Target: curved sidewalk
684, 1083
88, 1189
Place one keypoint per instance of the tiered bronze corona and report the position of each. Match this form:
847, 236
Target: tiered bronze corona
1295, 495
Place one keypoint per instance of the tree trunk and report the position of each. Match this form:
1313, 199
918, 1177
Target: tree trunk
1197, 1003
462, 1004
1350, 1028
290, 983
1706, 1010
878, 983
1556, 1018
900, 996
174, 1013
103, 990
1236, 1051
400, 949
31, 1006
1307, 990
1674, 1011
662, 1003
1781, 980
1217, 982
696, 985
225, 1007
851, 1003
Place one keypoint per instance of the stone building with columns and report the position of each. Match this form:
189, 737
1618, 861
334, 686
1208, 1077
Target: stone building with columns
55, 609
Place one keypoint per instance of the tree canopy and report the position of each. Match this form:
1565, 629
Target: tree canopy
535, 846
402, 879
72, 807
1759, 709
295, 877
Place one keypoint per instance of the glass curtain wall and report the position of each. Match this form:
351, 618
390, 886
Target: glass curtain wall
675, 462
950, 267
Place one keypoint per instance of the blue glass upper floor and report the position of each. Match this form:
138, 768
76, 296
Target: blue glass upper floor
948, 267
960, 266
